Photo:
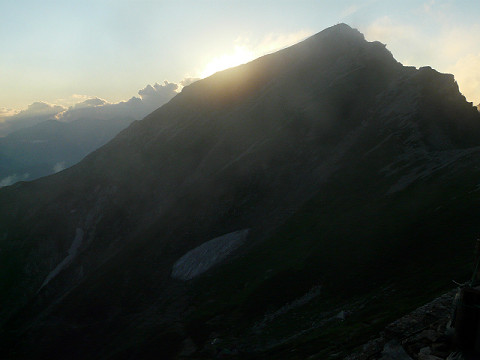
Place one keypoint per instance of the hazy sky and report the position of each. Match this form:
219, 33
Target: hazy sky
64, 52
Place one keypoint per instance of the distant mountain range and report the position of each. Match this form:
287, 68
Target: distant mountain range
287, 208
52, 145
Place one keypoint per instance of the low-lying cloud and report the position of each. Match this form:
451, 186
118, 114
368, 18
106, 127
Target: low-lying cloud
59, 166
89, 103
12, 179
37, 112
149, 99
6, 112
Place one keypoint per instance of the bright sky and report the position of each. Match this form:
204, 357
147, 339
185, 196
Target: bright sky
62, 51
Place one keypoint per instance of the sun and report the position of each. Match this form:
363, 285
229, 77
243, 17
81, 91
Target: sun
241, 55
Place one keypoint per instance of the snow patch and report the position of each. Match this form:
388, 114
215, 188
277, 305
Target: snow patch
207, 255
72, 252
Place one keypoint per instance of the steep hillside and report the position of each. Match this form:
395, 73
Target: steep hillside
285, 208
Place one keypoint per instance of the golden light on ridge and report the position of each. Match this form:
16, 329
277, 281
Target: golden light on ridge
241, 55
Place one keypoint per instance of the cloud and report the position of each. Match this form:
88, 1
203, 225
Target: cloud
405, 41
188, 80
5, 113
459, 41
40, 108
437, 10
451, 48
150, 98
89, 103
385, 29
350, 10
11, 179
59, 166
157, 94
74, 99
34, 114
459, 51
353, 9
467, 74
92, 107
428, 6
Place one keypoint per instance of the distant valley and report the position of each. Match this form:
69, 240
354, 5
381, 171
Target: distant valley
45, 139
52, 146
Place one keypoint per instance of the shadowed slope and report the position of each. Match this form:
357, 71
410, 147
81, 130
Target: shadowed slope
348, 168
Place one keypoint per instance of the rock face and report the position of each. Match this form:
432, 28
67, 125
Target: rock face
425, 334
349, 169
422, 334
394, 351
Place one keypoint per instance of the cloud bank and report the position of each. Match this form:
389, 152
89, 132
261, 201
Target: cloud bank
59, 166
149, 99
11, 120
12, 179
452, 48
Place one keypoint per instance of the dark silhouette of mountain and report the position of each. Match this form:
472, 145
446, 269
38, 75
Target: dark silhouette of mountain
286, 208
51, 146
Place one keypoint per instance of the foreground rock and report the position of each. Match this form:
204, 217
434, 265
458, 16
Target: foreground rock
424, 334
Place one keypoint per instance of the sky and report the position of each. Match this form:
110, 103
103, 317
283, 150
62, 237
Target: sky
58, 55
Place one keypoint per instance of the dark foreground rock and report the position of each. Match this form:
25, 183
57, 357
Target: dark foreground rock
424, 334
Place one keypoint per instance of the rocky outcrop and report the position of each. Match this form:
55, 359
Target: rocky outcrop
424, 334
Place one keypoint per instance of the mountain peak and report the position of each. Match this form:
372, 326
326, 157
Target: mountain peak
341, 27
341, 39
341, 30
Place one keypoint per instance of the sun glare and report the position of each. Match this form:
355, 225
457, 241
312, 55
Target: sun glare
241, 55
